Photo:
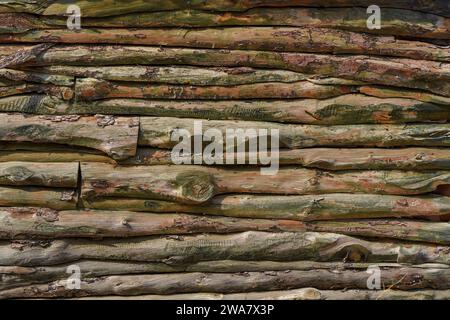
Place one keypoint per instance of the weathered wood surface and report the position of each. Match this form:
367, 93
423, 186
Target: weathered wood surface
39, 104
386, 92
306, 39
431, 76
402, 279
24, 55
63, 175
246, 246
304, 208
37, 77
93, 89
115, 136
17, 276
345, 109
58, 92
118, 7
157, 132
54, 198
197, 184
415, 159
28, 223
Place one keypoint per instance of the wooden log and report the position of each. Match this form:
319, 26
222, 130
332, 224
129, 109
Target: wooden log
157, 132
115, 136
246, 246
386, 92
416, 74
303, 208
53, 198
29, 223
58, 92
63, 175
416, 159
36, 103
287, 39
401, 279
17, 276
93, 89
295, 294
23, 56
344, 109
36, 77
106, 8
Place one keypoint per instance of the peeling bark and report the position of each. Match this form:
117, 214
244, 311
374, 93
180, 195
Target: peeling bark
53, 198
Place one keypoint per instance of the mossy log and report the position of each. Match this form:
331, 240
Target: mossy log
304, 208
36, 77
58, 92
401, 279
431, 76
306, 39
386, 92
93, 89
54, 198
344, 109
157, 132
23, 55
115, 136
29, 223
246, 246
61, 175
197, 184
38, 104
416, 159
17, 276
119, 7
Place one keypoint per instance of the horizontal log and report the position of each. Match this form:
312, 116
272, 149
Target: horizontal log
36, 77
115, 136
63, 175
294, 294
58, 92
416, 74
23, 55
250, 245
157, 132
28, 223
53, 198
304, 208
17, 276
288, 39
386, 92
36, 103
106, 8
344, 109
93, 89
402, 279
416, 159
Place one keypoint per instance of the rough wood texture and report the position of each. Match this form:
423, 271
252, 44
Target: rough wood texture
314, 40
305, 208
115, 136
246, 246
54, 198
64, 175
35, 103
58, 92
156, 132
345, 109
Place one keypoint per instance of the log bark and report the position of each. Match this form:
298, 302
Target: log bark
157, 132
36, 103
30, 223
36, 77
93, 89
303, 208
401, 279
53, 198
431, 76
58, 92
416, 159
92, 132
23, 56
385, 92
345, 109
246, 246
106, 8
291, 39
64, 175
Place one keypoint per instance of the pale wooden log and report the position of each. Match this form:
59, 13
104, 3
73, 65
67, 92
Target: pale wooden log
115, 136
58, 92
37, 77
157, 132
106, 8
250, 245
344, 109
36, 103
386, 92
416, 74
416, 159
287, 39
94, 89
63, 175
26, 223
303, 208
54, 198
131, 285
